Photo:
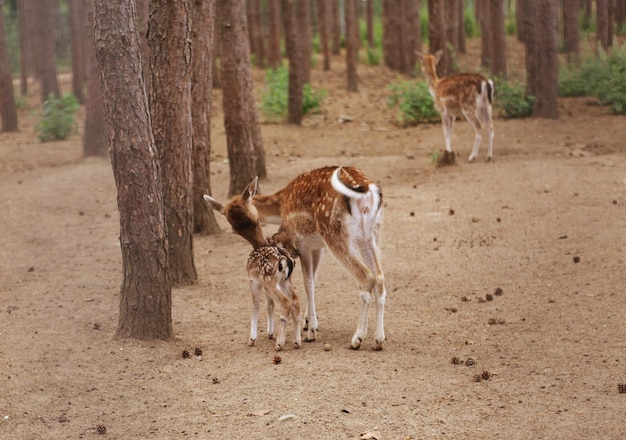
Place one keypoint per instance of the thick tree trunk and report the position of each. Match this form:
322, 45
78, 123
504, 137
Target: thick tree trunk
485, 33
412, 34
143, 10
145, 296
237, 94
169, 39
8, 111
95, 137
336, 27
202, 30
602, 23
531, 46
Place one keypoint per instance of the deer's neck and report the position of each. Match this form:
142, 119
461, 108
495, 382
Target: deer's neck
268, 207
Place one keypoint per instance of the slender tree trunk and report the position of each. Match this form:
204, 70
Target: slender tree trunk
498, 38
304, 38
336, 27
602, 23
25, 19
237, 96
570, 30
485, 33
259, 41
274, 57
462, 45
546, 102
352, 45
294, 105
437, 34
369, 20
202, 30
169, 39
8, 111
47, 51
322, 19
95, 137
452, 23
77, 38
145, 296
412, 34
531, 46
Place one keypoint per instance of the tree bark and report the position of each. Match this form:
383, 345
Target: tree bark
336, 27
323, 24
485, 33
570, 30
237, 94
602, 23
256, 33
274, 57
26, 20
305, 39
47, 51
77, 16
352, 45
369, 20
8, 111
145, 296
95, 137
202, 29
462, 45
412, 34
437, 34
531, 47
143, 10
498, 38
169, 39
294, 105
546, 102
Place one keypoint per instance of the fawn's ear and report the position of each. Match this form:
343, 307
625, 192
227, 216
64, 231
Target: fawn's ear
251, 189
213, 204
420, 56
438, 55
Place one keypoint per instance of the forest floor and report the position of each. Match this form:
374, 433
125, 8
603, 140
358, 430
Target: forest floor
545, 223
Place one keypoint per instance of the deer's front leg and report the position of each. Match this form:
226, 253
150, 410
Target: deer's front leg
270, 317
255, 288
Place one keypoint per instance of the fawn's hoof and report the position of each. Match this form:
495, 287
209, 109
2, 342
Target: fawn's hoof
356, 343
251, 342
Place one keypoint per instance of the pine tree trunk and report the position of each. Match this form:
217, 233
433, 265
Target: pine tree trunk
305, 39
352, 45
8, 111
462, 45
546, 102
202, 30
498, 39
485, 33
437, 34
257, 34
78, 39
237, 94
602, 23
95, 137
145, 296
531, 47
47, 51
369, 22
274, 57
169, 39
294, 105
336, 27
412, 34
570, 30
322, 20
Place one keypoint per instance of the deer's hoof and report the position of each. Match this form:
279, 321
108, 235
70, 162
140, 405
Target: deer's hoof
251, 342
270, 336
356, 343
278, 347
378, 345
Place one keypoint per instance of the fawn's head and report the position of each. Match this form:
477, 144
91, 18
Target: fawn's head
241, 214
429, 63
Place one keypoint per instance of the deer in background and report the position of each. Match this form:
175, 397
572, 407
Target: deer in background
464, 94
334, 207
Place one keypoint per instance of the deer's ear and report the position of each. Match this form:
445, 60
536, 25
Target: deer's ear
213, 204
438, 55
251, 189
419, 55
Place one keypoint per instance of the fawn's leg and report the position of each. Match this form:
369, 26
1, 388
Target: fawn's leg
255, 287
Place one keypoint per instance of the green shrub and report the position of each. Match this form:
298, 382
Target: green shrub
511, 99
274, 102
414, 101
57, 119
471, 29
601, 76
373, 56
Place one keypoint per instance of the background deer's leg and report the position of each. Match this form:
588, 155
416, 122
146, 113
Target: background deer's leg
270, 317
474, 121
370, 253
447, 120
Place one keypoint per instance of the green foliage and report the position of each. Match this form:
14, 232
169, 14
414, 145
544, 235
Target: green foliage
414, 101
471, 29
511, 99
57, 121
601, 76
274, 101
373, 55
510, 26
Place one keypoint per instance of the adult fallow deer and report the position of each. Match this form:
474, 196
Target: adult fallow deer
335, 207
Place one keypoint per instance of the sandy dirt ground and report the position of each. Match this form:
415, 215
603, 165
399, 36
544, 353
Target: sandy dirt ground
505, 313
